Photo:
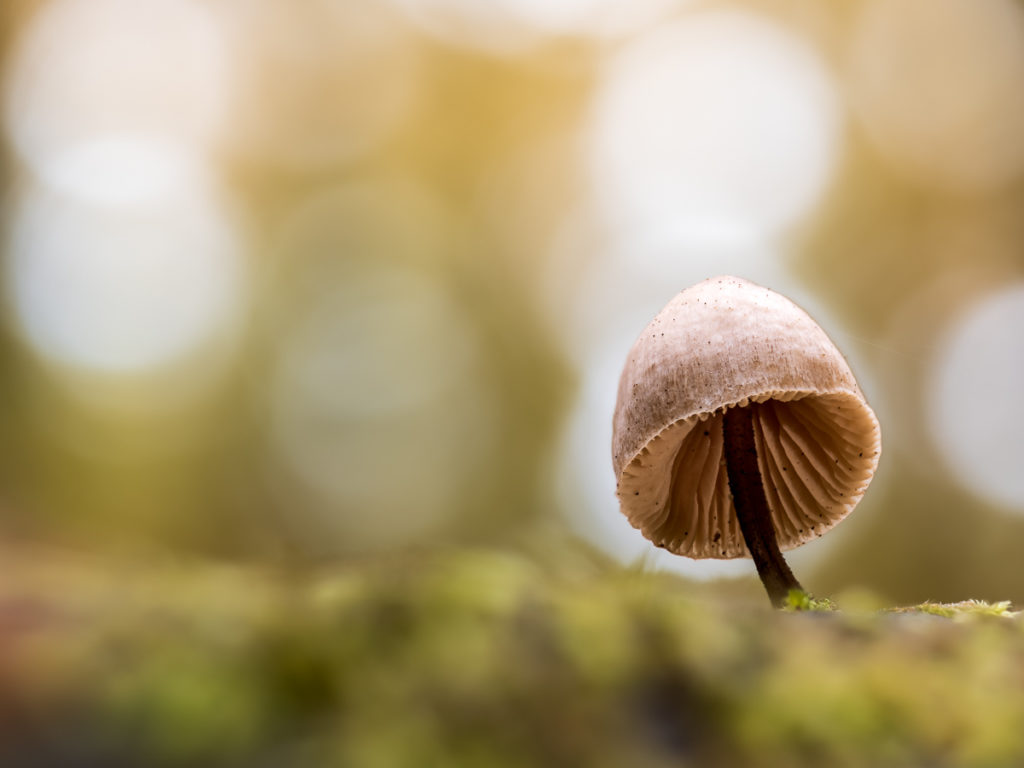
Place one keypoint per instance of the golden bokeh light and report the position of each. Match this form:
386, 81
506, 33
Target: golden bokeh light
319, 83
939, 88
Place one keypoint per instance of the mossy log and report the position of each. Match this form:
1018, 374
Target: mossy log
480, 658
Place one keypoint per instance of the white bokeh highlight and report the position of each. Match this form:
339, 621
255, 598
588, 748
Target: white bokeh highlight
377, 410
511, 26
123, 169
88, 68
718, 129
118, 289
975, 410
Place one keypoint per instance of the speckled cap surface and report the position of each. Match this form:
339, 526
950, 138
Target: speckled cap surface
726, 343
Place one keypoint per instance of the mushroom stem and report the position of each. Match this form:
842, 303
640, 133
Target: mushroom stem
752, 506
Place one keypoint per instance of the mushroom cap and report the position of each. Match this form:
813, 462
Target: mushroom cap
727, 343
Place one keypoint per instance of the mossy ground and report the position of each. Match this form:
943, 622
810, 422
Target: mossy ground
481, 658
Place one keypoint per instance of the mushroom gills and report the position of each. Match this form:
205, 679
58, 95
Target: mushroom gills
804, 468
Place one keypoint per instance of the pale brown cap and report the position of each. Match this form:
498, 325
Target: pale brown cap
720, 344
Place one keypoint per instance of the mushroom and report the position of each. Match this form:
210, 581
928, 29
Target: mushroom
739, 430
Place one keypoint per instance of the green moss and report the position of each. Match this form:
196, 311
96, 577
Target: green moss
477, 658
799, 600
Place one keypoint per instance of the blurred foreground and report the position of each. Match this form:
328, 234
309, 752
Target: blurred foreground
483, 659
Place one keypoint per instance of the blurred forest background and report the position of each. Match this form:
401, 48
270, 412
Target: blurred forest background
295, 283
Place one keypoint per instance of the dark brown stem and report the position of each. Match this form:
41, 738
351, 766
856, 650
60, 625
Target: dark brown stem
752, 506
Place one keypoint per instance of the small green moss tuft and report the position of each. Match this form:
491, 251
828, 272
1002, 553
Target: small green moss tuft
799, 600
964, 609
